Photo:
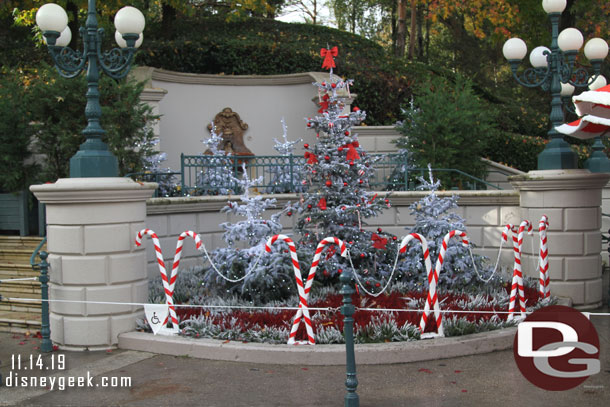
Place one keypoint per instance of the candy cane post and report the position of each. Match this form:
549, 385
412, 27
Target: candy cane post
300, 288
432, 299
166, 286
176, 264
543, 261
309, 282
517, 281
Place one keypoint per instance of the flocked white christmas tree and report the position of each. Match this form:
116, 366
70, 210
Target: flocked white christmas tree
286, 176
216, 178
338, 200
263, 276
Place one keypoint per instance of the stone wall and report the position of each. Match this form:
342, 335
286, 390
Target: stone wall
485, 212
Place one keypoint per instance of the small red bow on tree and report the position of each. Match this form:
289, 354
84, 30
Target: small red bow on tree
322, 204
379, 242
328, 55
311, 158
324, 104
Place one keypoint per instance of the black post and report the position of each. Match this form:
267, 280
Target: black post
351, 383
45, 330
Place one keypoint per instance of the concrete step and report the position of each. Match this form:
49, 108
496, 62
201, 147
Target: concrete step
13, 255
20, 242
19, 322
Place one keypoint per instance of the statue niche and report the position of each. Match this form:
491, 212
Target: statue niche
230, 126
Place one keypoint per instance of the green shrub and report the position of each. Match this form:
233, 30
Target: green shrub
53, 112
15, 135
447, 126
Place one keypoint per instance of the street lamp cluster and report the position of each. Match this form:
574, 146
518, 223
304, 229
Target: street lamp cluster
554, 69
93, 159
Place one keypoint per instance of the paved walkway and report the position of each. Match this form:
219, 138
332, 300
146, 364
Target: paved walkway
159, 380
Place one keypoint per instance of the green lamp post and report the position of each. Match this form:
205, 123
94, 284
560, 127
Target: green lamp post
93, 158
550, 69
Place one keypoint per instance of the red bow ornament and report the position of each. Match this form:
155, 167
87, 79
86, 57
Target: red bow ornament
322, 204
352, 154
311, 158
379, 242
328, 55
324, 104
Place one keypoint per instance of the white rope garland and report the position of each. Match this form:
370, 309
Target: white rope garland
328, 309
19, 279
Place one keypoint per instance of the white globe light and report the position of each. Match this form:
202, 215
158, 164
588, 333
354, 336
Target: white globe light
538, 58
64, 38
51, 17
596, 48
570, 39
566, 89
118, 37
129, 20
599, 82
514, 48
554, 6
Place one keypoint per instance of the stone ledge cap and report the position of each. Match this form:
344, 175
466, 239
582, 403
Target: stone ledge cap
559, 179
102, 189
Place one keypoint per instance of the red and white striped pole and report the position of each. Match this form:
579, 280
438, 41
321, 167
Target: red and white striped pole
543, 262
517, 281
309, 282
432, 299
300, 288
176, 264
164, 279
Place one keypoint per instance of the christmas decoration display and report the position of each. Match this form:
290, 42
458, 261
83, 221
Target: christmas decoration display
246, 275
218, 176
303, 311
164, 279
310, 277
432, 299
517, 280
543, 262
434, 218
336, 201
286, 176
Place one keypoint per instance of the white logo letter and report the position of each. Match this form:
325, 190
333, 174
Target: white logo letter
525, 332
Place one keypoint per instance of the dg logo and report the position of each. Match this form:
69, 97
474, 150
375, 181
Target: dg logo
557, 348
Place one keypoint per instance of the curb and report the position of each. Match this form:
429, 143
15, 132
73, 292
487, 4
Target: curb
321, 355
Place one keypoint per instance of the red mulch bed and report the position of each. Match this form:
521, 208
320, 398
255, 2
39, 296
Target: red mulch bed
250, 319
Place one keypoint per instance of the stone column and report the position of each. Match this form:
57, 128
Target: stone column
91, 226
571, 199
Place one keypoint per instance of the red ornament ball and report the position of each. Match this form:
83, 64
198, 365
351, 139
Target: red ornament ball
333, 85
327, 158
377, 285
345, 184
329, 183
306, 145
360, 181
326, 273
394, 238
346, 133
309, 206
362, 255
340, 149
351, 163
356, 109
378, 230
323, 83
289, 214
340, 271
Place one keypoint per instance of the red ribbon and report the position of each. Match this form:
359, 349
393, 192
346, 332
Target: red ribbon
328, 55
352, 154
311, 158
324, 104
322, 204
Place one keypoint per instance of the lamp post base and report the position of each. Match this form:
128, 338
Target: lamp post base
93, 163
557, 155
598, 162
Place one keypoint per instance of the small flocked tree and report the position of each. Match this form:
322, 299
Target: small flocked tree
433, 220
268, 276
217, 177
163, 176
286, 176
337, 201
